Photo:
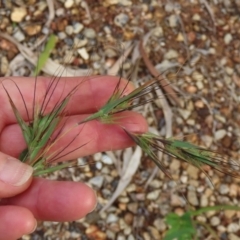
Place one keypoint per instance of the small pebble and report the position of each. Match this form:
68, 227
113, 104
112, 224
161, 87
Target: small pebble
154, 232
228, 38
199, 85
77, 28
196, 17
98, 165
62, 35
224, 189
60, 11
180, 37
153, 195
173, 21
121, 237
89, 33
128, 217
160, 224
18, 14
233, 191
233, 227
18, 35
110, 234
191, 89
33, 29
192, 171
68, 3
176, 201
155, 183
83, 53
121, 20
107, 160
192, 198
220, 134
229, 71
133, 207
232, 236
184, 113
203, 201
97, 156
69, 30
214, 221
125, 2
171, 54
158, 32
197, 76
97, 181
4, 65
131, 237
111, 218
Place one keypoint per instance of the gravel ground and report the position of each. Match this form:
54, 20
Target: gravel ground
195, 45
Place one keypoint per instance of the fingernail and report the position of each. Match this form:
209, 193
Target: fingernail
95, 206
34, 228
14, 172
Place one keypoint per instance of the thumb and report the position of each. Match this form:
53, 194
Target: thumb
15, 176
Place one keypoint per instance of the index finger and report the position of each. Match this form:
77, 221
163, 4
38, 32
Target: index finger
91, 94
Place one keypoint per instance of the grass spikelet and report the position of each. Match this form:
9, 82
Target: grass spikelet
39, 128
120, 102
184, 151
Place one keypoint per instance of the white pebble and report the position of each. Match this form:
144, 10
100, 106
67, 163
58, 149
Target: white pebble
184, 113
153, 195
97, 181
60, 12
107, 160
215, 221
224, 189
45, 30
218, 135
98, 165
125, 3
196, 17
68, 3
199, 85
18, 35
173, 20
62, 35
228, 38
233, 227
77, 28
69, 30
171, 54
80, 42
158, 31
83, 53
97, 156
89, 33
112, 218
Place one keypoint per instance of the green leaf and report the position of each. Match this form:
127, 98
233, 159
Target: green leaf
182, 227
45, 54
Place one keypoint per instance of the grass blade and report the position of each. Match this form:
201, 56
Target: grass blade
44, 56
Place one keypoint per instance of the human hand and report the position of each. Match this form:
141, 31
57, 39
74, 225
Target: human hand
25, 200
